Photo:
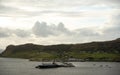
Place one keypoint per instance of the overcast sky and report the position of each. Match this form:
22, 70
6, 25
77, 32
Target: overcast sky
58, 21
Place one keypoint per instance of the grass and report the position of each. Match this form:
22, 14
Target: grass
39, 56
96, 56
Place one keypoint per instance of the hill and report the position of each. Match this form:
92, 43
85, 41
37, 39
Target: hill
93, 51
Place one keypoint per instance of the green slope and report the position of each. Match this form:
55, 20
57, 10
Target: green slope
94, 51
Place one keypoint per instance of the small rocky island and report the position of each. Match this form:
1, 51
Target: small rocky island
93, 51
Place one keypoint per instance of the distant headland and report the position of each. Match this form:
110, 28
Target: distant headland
93, 51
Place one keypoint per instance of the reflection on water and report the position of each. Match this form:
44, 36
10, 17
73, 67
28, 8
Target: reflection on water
10, 66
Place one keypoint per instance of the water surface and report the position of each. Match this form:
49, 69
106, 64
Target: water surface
12, 66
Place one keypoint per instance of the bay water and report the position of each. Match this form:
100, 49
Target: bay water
14, 66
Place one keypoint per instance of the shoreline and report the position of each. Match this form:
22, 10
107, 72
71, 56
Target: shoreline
58, 60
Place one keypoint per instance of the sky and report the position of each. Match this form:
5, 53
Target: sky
47, 22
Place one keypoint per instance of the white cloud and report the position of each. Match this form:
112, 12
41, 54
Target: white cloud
22, 33
44, 30
40, 7
6, 32
113, 29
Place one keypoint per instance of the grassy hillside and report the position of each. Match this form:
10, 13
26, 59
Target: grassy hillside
94, 51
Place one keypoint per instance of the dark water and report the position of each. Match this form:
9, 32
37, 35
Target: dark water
10, 66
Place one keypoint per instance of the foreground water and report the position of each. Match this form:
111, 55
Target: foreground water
10, 66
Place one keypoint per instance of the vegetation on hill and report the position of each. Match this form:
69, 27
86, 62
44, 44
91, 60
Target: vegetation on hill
94, 51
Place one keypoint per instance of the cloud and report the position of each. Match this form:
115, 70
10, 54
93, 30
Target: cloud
65, 3
41, 29
26, 8
44, 30
114, 24
4, 32
87, 32
22, 33
11, 11
60, 34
